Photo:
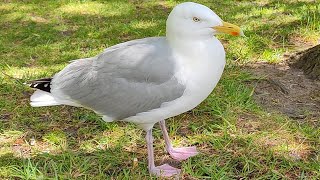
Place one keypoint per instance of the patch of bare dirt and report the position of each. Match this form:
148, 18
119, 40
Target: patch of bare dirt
287, 90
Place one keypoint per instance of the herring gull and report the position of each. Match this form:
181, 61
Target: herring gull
148, 80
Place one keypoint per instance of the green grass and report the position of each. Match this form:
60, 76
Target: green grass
237, 138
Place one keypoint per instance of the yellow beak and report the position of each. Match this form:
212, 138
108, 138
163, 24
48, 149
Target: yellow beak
229, 28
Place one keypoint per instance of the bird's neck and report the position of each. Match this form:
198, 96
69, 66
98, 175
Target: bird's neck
191, 47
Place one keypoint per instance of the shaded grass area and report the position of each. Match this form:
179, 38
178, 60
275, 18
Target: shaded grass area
236, 138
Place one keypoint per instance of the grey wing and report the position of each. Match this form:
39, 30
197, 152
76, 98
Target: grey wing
123, 81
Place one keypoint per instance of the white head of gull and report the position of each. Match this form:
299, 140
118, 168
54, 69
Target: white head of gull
146, 81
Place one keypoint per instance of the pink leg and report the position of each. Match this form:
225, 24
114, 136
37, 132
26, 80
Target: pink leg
176, 153
163, 170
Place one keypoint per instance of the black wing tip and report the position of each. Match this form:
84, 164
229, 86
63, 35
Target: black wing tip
42, 84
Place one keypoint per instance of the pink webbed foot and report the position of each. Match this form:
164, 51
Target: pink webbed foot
182, 153
164, 170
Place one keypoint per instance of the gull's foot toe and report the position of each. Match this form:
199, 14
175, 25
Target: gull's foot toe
165, 170
183, 153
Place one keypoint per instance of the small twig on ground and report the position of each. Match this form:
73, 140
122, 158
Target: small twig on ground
278, 84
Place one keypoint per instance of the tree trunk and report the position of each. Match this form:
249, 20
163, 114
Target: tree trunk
308, 61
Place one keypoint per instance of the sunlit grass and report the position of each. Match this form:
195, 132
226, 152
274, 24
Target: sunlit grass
96, 8
143, 24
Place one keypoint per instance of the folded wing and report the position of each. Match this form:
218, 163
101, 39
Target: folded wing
126, 79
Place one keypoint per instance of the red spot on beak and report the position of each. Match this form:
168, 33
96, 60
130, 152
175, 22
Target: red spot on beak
235, 33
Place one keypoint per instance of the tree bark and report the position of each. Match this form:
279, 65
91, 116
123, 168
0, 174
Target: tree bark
309, 61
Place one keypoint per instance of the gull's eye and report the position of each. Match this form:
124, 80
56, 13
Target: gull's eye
195, 19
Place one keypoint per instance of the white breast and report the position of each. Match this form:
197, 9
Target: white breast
200, 71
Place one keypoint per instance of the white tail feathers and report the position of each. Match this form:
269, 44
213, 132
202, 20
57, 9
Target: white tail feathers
42, 98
